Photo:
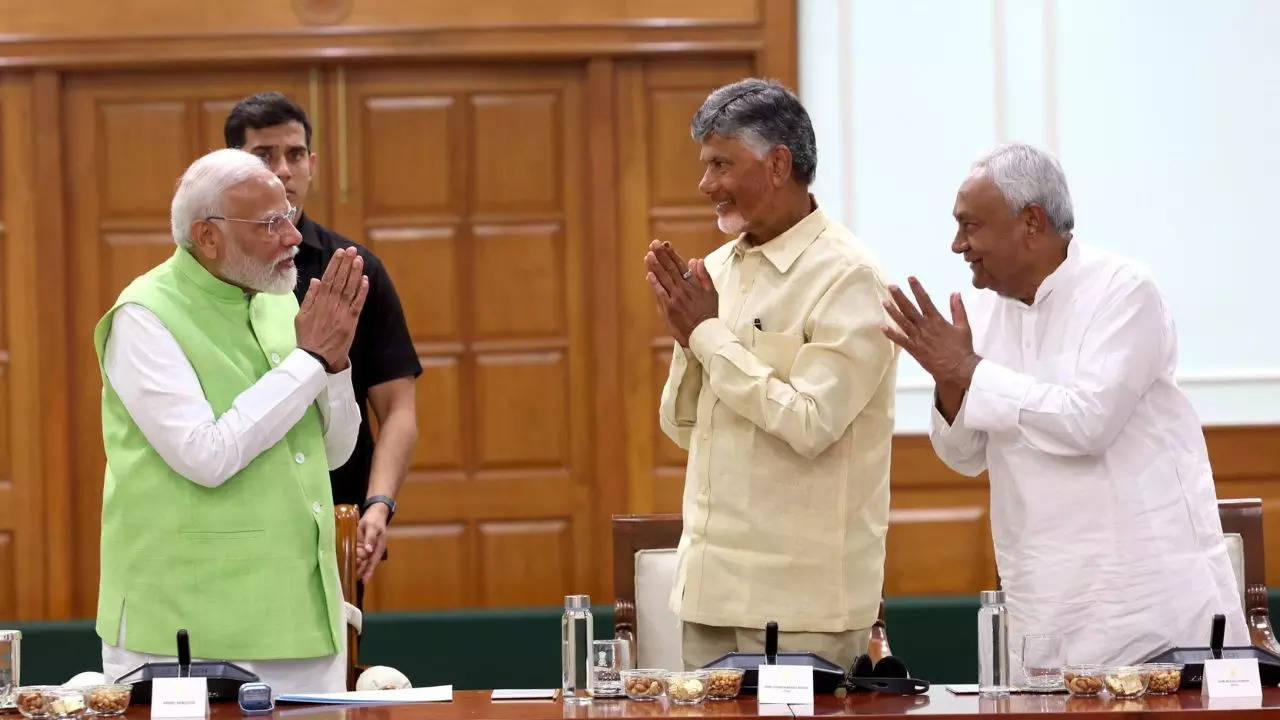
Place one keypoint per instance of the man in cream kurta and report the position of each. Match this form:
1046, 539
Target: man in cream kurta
1103, 509
783, 394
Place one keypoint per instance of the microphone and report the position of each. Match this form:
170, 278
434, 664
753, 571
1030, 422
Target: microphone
771, 643
184, 654
1217, 635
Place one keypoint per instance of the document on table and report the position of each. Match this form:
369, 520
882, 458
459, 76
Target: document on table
438, 693
524, 694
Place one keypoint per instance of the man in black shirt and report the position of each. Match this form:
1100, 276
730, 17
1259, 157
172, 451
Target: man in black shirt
384, 363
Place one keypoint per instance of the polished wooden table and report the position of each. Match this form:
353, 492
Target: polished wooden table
939, 702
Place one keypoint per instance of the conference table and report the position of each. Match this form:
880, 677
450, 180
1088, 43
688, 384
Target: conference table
937, 703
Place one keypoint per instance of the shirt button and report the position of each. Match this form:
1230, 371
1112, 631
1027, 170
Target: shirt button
316, 507
299, 458
275, 358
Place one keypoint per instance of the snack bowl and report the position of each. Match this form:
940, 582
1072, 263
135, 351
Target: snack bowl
30, 700
1126, 681
644, 684
62, 702
725, 683
688, 687
1083, 680
106, 700
1163, 678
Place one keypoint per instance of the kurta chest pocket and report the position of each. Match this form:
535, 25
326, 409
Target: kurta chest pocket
777, 350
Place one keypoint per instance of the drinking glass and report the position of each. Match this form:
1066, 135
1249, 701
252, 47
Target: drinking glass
608, 659
1043, 656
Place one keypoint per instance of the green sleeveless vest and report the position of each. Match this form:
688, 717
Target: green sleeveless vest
248, 567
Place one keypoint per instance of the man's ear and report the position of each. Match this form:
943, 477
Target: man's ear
205, 239
779, 160
1035, 223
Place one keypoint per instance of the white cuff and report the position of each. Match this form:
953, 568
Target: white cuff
995, 398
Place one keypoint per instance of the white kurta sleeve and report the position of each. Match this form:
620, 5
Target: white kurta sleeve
678, 408
960, 447
834, 375
341, 416
1119, 359
158, 386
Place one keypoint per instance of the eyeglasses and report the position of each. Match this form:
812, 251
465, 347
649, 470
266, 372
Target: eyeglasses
275, 223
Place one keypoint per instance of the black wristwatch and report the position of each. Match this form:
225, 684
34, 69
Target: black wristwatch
370, 501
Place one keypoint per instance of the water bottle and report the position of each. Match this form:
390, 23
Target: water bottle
993, 644
575, 649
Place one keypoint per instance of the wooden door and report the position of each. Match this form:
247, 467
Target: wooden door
128, 138
467, 181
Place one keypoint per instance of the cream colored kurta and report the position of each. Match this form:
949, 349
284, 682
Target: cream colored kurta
788, 427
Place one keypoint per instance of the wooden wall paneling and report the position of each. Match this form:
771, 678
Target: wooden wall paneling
129, 136
604, 358
779, 56
35, 307
142, 18
659, 198
468, 182
639, 413
8, 497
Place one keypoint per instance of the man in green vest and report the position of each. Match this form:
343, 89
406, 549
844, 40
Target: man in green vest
224, 405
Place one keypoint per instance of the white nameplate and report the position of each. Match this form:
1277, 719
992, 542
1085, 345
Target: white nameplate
1232, 678
785, 685
186, 697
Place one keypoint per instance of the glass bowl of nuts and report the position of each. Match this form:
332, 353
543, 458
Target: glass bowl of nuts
688, 687
644, 684
1083, 680
108, 699
726, 683
1126, 681
30, 700
63, 702
1162, 678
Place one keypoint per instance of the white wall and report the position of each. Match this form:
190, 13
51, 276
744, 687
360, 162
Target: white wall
1165, 114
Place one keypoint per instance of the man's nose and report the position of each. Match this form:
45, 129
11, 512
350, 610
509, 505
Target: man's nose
706, 184
281, 169
290, 235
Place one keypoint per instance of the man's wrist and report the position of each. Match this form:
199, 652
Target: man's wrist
373, 502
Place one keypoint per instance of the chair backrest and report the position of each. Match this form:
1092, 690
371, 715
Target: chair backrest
643, 573
1242, 518
346, 519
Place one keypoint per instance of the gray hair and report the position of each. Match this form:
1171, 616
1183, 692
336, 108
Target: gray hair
1027, 175
764, 114
200, 189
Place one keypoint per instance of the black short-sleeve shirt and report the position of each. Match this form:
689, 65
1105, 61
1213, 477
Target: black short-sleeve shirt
381, 350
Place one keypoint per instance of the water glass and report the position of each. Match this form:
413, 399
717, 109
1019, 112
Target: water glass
608, 659
1042, 659
10, 655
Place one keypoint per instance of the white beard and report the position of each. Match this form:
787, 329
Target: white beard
731, 223
240, 269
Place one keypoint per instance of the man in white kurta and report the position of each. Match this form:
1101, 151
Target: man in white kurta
1103, 509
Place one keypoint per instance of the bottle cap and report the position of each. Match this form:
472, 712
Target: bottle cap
992, 597
577, 602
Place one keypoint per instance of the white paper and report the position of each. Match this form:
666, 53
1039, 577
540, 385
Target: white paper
1231, 678
183, 697
773, 709
438, 693
963, 689
785, 685
524, 694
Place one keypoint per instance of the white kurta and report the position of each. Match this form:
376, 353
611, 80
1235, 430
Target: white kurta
157, 385
1103, 508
